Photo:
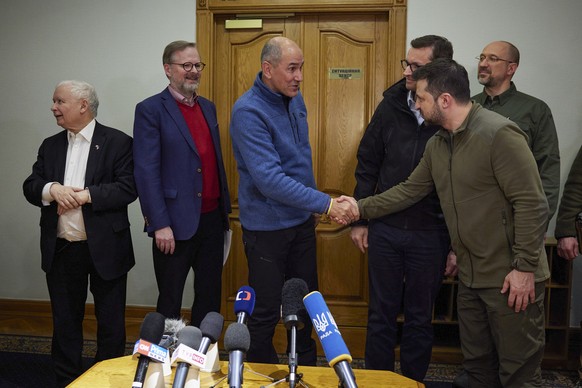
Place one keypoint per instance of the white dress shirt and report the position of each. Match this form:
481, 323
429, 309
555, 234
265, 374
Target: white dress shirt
71, 225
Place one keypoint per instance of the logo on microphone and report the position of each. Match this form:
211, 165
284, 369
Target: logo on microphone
243, 295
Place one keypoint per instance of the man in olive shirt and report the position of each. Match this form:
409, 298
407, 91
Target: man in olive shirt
492, 198
497, 64
565, 232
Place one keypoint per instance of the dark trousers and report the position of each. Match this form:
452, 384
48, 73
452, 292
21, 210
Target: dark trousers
501, 348
204, 254
71, 272
274, 257
405, 269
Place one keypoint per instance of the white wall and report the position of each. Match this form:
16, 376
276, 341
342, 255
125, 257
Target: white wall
117, 46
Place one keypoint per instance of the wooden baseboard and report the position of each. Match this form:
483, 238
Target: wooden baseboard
34, 318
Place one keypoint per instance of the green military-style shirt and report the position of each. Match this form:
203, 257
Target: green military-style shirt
534, 117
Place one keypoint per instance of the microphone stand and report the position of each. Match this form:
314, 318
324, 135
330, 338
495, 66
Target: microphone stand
292, 323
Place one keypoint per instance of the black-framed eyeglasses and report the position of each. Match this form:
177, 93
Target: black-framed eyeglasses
413, 66
188, 66
491, 59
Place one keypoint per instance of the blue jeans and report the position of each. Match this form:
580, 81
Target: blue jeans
406, 270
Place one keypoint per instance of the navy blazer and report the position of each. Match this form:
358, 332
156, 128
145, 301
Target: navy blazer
168, 170
109, 178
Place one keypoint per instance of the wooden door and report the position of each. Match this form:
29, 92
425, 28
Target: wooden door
350, 59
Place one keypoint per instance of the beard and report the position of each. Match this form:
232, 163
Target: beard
434, 117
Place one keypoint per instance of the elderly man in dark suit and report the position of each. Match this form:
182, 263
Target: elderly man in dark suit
83, 182
182, 186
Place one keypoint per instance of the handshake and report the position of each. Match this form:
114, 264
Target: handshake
344, 210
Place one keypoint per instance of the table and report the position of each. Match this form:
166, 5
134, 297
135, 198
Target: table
119, 372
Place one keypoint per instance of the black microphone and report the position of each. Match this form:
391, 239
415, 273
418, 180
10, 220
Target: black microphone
244, 304
237, 341
211, 328
189, 336
294, 315
151, 331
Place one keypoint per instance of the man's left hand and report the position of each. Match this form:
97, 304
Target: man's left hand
521, 288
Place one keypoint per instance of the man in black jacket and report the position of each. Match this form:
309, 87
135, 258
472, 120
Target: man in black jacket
83, 182
407, 250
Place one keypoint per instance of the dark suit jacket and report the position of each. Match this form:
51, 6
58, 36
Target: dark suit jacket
109, 178
168, 170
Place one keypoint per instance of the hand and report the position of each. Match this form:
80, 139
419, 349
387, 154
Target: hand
521, 289
568, 248
359, 235
82, 196
451, 268
316, 219
165, 240
344, 210
65, 196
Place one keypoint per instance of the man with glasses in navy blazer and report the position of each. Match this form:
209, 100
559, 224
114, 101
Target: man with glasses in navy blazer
182, 185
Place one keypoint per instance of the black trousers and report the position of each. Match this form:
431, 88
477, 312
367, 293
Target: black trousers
203, 253
274, 257
405, 270
67, 281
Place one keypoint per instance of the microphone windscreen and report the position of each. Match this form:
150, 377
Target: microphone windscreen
152, 327
292, 294
237, 337
172, 326
333, 345
190, 336
211, 326
245, 300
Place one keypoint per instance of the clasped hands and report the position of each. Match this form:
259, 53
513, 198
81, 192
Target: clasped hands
68, 197
344, 210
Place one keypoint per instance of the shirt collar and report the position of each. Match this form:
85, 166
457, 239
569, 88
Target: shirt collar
181, 98
502, 98
412, 107
86, 133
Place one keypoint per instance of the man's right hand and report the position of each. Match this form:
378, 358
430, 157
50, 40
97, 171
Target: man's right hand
568, 248
165, 240
359, 235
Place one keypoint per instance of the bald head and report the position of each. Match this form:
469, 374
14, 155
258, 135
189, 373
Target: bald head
275, 48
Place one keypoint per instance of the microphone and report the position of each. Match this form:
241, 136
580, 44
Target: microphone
294, 316
171, 328
191, 337
211, 328
334, 347
150, 333
237, 341
244, 304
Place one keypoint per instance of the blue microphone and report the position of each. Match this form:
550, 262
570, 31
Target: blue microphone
244, 304
334, 347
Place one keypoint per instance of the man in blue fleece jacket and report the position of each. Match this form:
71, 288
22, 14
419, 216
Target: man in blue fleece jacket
277, 193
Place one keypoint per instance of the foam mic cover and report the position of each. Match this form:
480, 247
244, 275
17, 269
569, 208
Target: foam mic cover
171, 328
151, 330
189, 336
293, 310
237, 341
334, 347
244, 303
211, 328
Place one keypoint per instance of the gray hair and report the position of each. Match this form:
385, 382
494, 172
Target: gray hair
83, 91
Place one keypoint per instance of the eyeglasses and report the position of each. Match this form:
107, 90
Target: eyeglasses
405, 64
491, 59
188, 66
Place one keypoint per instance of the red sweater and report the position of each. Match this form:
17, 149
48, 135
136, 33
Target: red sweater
203, 140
